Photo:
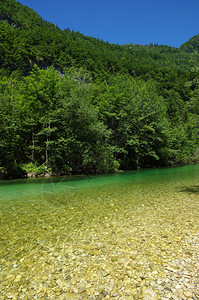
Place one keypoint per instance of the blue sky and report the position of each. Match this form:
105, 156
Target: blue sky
168, 22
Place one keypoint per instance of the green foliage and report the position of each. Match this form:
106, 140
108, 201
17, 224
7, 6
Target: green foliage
136, 116
75, 104
73, 125
35, 170
85, 137
26, 39
191, 45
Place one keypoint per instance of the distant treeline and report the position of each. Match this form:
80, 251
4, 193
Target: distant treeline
70, 124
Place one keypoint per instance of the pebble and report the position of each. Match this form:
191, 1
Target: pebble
81, 287
18, 278
122, 260
149, 294
188, 294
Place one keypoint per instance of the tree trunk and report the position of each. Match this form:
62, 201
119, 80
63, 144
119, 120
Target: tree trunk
33, 146
47, 146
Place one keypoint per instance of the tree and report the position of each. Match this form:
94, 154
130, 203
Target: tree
84, 136
136, 115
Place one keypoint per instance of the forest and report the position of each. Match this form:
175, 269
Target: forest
72, 104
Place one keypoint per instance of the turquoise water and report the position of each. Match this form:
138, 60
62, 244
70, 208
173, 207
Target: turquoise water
84, 223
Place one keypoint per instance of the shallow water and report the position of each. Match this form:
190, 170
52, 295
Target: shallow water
100, 237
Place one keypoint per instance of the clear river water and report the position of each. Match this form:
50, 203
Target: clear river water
130, 235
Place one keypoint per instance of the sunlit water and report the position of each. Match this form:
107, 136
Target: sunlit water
96, 237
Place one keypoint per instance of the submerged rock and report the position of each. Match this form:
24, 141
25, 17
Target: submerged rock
149, 294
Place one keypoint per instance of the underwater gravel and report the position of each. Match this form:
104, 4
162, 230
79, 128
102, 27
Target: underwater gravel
141, 249
123, 259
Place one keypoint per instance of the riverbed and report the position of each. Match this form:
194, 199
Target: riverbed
131, 235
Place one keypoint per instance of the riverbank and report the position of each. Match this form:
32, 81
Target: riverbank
42, 171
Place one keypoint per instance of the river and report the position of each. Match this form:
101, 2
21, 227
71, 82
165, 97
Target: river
130, 235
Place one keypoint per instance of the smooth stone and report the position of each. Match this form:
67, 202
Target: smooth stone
10, 277
75, 290
114, 258
81, 287
149, 294
104, 273
70, 296
12, 296
94, 252
18, 278
188, 294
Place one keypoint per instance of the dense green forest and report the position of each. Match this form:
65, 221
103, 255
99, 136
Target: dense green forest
75, 104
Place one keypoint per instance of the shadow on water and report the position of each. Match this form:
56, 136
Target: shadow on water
191, 189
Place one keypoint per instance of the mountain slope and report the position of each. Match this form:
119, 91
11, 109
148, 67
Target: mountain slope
191, 45
27, 39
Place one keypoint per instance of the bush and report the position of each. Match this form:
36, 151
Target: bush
35, 170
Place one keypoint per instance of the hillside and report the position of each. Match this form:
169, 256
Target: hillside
191, 45
72, 103
27, 39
